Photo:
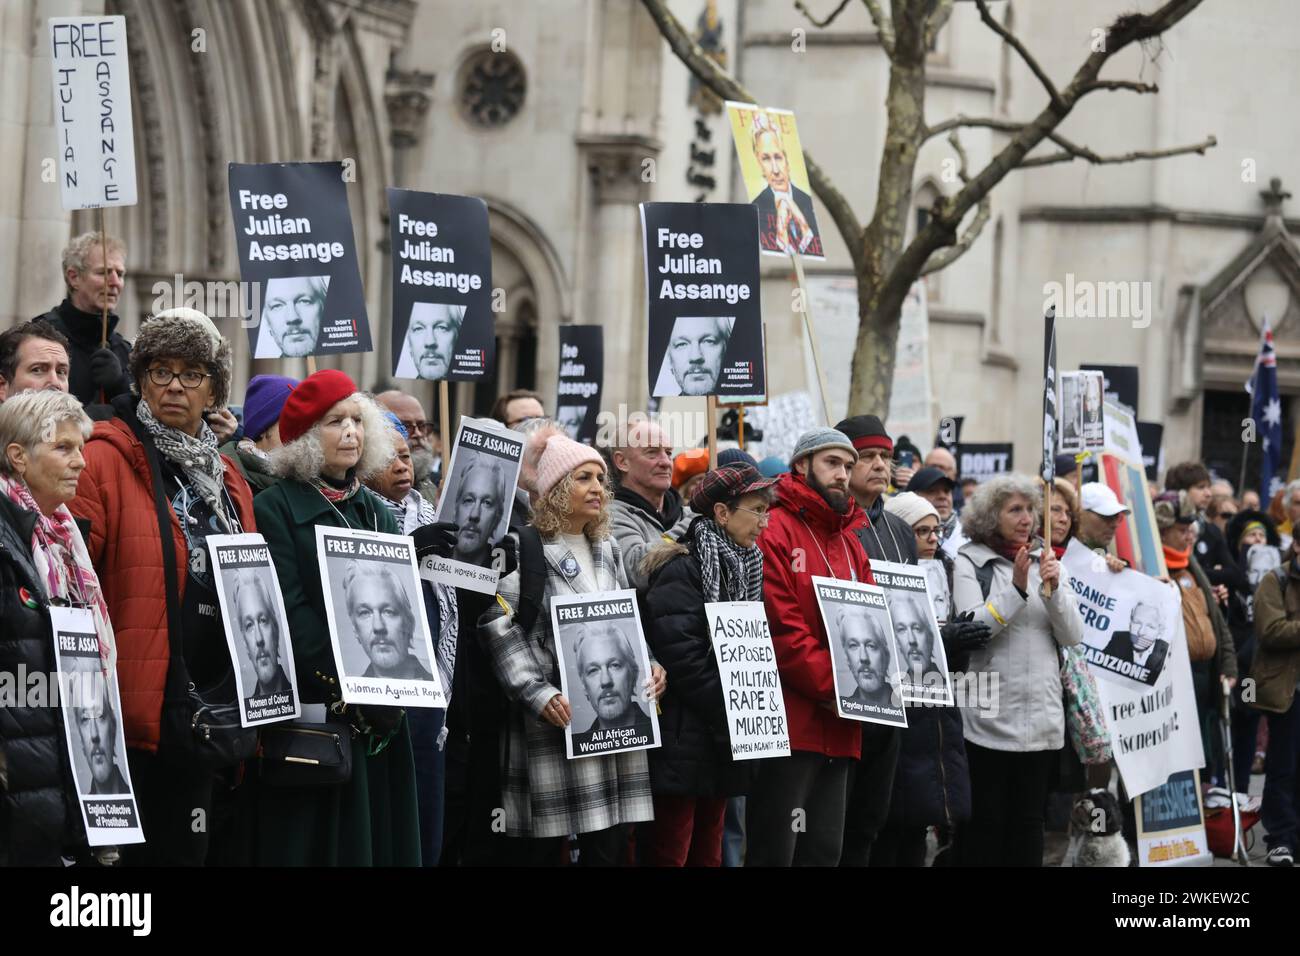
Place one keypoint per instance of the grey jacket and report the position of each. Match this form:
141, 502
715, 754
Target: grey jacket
637, 533
1023, 656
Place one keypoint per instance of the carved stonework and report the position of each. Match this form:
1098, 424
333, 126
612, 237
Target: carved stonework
148, 119
406, 95
620, 167
492, 87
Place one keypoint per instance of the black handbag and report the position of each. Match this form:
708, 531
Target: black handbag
201, 728
299, 754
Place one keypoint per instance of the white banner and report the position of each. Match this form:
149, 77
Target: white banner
92, 111
751, 684
1131, 624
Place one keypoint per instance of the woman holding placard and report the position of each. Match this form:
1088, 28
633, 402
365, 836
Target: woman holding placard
1000, 575
333, 437
43, 561
717, 559
545, 795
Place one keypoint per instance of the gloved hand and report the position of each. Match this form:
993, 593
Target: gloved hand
438, 538
377, 719
965, 634
106, 372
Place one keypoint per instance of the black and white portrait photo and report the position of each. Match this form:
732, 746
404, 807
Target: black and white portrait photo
605, 667
865, 659
1144, 645
697, 346
922, 662
381, 639
257, 630
571, 419
936, 580
100, 754
293, 313
1092, 420
430, 343
1070, 427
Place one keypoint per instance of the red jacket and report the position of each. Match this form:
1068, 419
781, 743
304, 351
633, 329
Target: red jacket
803, 536
115, 493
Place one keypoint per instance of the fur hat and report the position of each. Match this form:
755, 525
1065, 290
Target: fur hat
187, 335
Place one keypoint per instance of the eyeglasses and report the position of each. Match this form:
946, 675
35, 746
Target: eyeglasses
520, 421
418, 428
926, 532
190, 378
760, 515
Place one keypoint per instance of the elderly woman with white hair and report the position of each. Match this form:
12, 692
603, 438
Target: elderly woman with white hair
333, 437
154, 488
1012, 750
43, 563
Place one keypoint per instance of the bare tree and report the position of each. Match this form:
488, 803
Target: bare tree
884, 265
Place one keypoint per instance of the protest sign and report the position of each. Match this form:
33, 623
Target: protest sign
92, 728
582, 374
478, 495
865, 659
911, 396
1121, 433
982, 461
1137, 539
704, 314
1154, 727
923, 663
751, 683
375, 609
257, 630
776, 179
92, 111
936, 579
1120, 383
1171, 823
1151, 437
294, 234
604, 671
443, 328
1047, 471
1082, 426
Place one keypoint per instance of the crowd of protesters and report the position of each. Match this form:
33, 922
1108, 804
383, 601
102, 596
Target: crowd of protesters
119, 459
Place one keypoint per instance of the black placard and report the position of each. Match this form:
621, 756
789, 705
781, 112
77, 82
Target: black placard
983, 461
582, 374
443, 324
704, 312
1150, 435
296, 252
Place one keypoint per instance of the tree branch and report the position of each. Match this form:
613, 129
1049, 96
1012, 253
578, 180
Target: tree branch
1133, 85
1057, 104
882, 24
961, 119
936, 21
799, 5
722, 83
950, 254
1073, 151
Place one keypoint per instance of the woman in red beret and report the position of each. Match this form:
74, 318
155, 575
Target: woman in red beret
333, 436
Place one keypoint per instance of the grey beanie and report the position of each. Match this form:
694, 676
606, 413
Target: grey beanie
820, 439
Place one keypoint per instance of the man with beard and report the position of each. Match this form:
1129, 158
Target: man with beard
1141, 644
916, 638
382, 620
786, 221
609, 672
430, 341
866, 648
260, 628
696, 347
646, 510
811, 532
477, 509
97, 730
425, 465
292, 314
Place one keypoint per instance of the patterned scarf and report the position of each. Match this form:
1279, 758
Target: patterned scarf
197, 457
335, 495
413, 511
63, 562
725, 565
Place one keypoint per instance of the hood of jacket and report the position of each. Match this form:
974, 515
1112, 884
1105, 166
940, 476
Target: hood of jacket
794, 494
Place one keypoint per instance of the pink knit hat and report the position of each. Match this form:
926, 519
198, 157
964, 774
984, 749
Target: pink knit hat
561, 456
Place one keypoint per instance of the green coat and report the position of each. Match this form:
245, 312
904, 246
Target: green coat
254, 469
372, 820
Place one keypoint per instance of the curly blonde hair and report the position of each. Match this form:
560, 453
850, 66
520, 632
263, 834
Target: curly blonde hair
551, 513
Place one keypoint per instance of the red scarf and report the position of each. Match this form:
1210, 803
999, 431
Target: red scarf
1007, 549
1176, 560
1059, 551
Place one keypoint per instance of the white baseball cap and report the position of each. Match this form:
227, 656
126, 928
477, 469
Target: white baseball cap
1099, 499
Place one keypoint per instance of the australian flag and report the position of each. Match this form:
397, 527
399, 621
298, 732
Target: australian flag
1266, 410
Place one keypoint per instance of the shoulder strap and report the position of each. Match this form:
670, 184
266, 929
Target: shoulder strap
984, 575
532, 577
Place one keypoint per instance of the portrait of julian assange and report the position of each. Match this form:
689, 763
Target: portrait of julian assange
476, 501
379, 612
258, 628
866, 662
98, 746
915, 637
786, 220
293, 312
692, 363
607, 668
430, 344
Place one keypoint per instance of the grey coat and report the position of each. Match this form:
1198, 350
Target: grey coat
637, 533
1023, 656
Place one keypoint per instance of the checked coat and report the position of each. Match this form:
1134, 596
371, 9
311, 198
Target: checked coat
543, 792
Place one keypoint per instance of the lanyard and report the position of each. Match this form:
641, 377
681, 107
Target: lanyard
847, 560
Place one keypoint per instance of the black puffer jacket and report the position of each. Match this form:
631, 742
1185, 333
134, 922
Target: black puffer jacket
39, 816
695, 759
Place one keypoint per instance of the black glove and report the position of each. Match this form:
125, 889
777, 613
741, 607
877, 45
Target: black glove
965, 634
377, 719
509, 550
438, 539
106, 372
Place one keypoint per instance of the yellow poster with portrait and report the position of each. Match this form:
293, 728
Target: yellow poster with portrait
776, 179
